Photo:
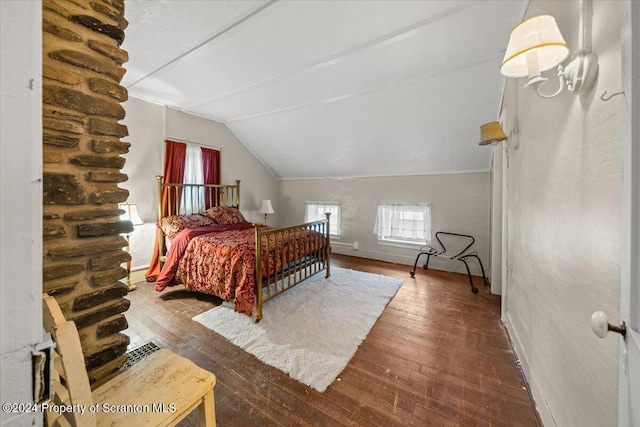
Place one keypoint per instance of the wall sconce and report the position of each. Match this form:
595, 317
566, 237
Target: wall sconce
491, 132
536, 45
265, 209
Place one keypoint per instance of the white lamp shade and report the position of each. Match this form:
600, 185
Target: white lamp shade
130, 213
266, 207
535, 45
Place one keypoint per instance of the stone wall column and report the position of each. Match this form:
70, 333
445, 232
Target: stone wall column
82, 70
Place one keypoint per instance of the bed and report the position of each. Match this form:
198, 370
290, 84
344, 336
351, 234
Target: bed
213, 249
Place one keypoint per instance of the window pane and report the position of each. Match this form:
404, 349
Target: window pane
193, 197
315, 211
410, 223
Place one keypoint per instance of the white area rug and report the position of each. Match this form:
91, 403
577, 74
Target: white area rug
311, 331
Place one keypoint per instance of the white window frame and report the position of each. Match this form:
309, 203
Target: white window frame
383, 226
314, 211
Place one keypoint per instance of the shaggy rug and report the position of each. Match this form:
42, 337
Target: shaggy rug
311, 331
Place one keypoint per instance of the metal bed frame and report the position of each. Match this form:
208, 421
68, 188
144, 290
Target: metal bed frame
291, 273
462, 256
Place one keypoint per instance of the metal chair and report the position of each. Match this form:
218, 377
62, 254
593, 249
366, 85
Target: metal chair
462, 256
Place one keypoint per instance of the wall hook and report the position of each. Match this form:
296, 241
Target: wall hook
610, 96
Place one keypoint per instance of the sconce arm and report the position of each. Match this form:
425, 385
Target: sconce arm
562, 84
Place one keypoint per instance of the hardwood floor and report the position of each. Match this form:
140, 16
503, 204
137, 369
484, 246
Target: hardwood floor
438, 356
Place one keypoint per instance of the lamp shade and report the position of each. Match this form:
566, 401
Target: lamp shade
130, 213
491, 132
535, 45
266, 207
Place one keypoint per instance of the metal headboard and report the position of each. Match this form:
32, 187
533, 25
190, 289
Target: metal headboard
199, 197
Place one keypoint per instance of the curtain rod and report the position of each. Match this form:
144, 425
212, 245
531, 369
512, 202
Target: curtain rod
191, 142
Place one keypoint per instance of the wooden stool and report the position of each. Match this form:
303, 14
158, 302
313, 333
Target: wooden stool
161, 389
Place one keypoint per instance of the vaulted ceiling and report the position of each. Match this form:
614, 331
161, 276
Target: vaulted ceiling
330, 88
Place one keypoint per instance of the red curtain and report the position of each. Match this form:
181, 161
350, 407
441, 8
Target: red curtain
174, 156
211, 170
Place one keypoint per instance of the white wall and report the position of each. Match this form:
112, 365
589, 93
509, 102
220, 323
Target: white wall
563, 209
459, 203
21, 207
144, 162
496, 220
149, 125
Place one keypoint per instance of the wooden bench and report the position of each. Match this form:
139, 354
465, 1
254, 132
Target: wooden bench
160, 390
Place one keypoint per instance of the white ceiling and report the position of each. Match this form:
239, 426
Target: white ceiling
330, 88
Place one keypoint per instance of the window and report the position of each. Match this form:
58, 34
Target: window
403, 223
314, 211
191, 164
193, 197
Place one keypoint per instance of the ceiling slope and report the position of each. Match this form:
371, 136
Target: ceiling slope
327, 88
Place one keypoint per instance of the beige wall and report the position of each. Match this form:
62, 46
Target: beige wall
563, 209
496, 222
149, 124
459, 203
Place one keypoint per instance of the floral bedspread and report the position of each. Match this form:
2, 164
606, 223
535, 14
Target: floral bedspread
223, 263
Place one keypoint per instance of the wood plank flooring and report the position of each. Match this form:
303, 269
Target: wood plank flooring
438, 356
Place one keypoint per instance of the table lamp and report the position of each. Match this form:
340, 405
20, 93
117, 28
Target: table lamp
266, 209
